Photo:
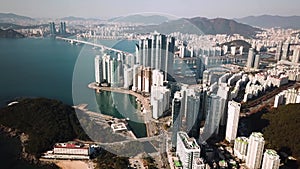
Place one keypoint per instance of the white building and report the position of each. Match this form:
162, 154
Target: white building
232, 120
255, 150
271, 160
158, 78
240, 147
160, 99
72, 148
296, 55
187, 150
128, 76
287, 97
98, 69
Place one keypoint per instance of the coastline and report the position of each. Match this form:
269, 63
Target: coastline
145, 101
151, 127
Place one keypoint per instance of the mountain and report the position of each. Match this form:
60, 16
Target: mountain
282, 133
200, 25
72, 18
269, 21
141, 19
14, 18
10, 33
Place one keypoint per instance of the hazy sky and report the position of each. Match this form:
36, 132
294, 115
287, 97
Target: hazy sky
178, 8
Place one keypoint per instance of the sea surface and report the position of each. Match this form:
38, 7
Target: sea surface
59, 70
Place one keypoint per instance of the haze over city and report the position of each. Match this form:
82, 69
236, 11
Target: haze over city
154, 84
179, 8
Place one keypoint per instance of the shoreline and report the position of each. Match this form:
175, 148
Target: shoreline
145, 105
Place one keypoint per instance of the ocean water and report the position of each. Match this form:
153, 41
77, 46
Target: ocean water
59, 70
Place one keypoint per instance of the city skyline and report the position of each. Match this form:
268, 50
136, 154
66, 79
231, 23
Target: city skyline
175, 9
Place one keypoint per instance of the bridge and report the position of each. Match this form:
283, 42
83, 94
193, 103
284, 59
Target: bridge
93, 44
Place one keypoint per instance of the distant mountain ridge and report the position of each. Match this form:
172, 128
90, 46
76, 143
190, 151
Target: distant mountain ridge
142, 19
13, 18
201, 25
269, 21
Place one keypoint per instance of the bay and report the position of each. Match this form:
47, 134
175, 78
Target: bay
59, 70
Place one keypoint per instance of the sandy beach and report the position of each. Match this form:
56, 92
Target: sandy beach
68, 164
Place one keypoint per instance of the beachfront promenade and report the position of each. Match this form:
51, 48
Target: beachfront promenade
145, 101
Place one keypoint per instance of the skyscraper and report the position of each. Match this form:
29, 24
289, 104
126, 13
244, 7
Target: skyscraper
160, 97
52, 28
135, 75
98, 69
128, 76
215, 108
250, 61
232, 120
187, 150
240, 147
62, 29
256, 62
278, 51
271, 160
176, 116
285, 50
255, 150
296, 55
157, 52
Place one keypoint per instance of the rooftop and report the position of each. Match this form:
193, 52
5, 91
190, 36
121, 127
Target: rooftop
271, 152
189, 143
71, 145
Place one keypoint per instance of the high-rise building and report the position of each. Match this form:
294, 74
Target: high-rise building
176, 116
135, 75
128, 76
232, 120
112, 70
187, 150
255, 150
233, 50
271, 160
52, 28
160, 99
285, 50
62, 29
250, 61
296, 55
240, 147
157, 52
256, 62
98, 70
278, 51
214, 110
147, 79
158, 78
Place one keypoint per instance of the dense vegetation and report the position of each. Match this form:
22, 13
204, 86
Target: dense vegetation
9, 33
108, 160
282, 133
45, 121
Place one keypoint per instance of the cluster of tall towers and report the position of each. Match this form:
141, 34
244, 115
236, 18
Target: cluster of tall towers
62, 28
283, 51
253, 59
154, 52
251, 150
